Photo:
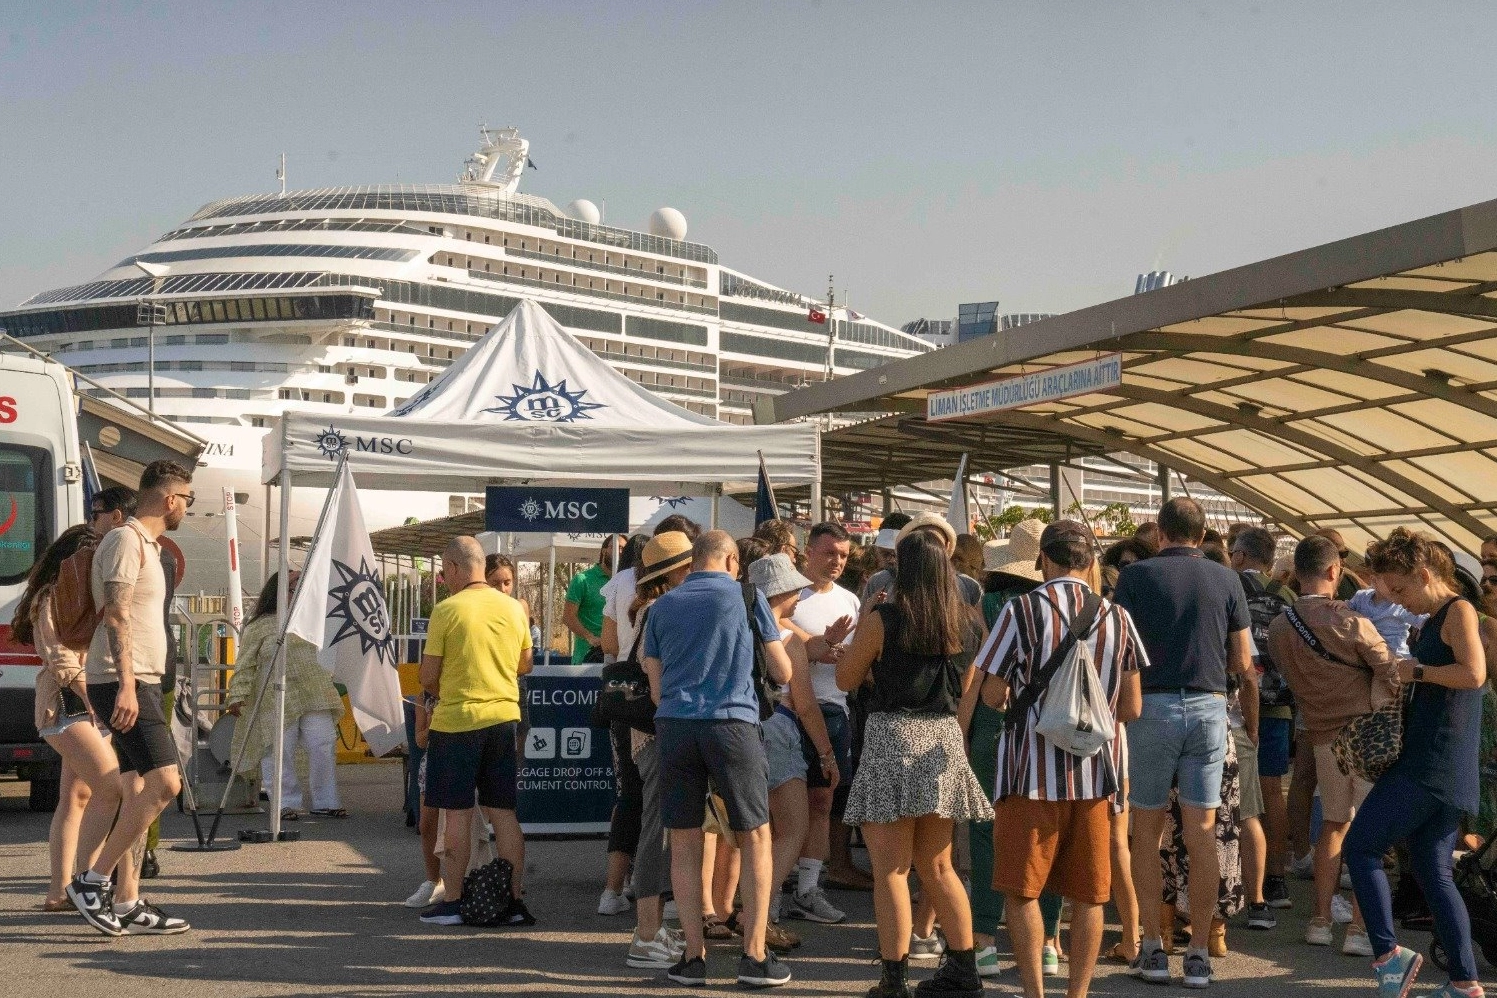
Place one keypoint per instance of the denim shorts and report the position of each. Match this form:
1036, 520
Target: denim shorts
782, 749
1179, 739
1274, 735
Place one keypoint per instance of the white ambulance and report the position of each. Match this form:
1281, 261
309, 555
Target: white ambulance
41, 494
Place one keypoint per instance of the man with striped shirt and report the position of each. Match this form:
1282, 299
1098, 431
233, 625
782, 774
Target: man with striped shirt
1054, 809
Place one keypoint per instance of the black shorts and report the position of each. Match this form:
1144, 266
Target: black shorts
730, 754
460, 763
148, 744
839, 732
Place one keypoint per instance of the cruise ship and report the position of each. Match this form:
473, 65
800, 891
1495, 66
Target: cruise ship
350, 299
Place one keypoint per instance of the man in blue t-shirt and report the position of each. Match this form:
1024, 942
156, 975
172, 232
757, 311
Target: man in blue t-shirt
699, 655
1193, 617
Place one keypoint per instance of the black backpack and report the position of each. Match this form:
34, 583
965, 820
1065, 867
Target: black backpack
487, 892
1263, 607
769, 694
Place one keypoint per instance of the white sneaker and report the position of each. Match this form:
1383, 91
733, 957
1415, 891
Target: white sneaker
1318, 932
926, 947
430, 892
1302, 867
672, 939
987, 962
650, 954
610, 903
1357, 943
1340, 910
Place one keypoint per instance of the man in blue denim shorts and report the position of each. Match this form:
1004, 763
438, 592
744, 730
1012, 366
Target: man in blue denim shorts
1193, 617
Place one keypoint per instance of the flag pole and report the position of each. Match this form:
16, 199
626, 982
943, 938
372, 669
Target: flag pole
287, 600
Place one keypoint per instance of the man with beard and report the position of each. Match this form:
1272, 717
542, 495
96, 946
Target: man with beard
125, 666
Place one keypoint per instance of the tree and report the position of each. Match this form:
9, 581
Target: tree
993, 526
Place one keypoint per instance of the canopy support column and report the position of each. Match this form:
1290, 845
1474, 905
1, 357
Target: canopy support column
1166, 488
283, 606
549, 590
817, 513
1055, 490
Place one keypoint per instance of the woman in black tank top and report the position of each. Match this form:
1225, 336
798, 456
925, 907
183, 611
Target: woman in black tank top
1422, 798
913, 781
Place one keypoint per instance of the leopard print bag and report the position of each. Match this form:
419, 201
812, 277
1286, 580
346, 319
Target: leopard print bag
1369, 746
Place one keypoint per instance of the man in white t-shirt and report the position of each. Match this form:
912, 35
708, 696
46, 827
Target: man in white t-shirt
825, 617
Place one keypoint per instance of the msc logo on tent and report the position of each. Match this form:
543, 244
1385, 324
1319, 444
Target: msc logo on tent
544, 402
331, 442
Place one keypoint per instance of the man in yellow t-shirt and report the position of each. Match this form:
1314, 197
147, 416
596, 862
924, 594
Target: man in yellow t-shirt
477, 645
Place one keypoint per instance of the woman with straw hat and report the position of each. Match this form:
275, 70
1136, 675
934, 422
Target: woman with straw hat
665, 562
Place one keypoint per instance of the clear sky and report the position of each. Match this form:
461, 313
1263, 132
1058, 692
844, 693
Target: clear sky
925, 153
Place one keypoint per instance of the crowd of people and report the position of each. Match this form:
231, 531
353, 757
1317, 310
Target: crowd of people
1008, 729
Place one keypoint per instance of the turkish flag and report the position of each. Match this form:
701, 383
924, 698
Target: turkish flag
817, 315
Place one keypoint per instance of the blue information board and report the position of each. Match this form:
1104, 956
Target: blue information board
521, 509
566, 765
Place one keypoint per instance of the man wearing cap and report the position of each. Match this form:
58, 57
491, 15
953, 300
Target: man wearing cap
1053, 810
824, 617
699, 654
883, 544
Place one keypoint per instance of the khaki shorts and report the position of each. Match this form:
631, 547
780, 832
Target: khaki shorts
1340, 795
1060, 846
1247, 775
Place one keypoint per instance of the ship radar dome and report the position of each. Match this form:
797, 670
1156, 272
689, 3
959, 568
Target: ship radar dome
668, 222
584, 211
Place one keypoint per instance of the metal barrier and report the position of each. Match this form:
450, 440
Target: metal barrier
208, 649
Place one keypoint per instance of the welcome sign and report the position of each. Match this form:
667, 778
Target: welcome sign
1048, 385
521, 509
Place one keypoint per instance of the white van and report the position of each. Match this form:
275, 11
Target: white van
41, 494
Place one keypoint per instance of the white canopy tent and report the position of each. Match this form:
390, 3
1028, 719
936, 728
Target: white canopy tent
529, 404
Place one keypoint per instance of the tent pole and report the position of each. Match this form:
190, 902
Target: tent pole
550, 592
283, 603
712, 504
816, 511
265, 541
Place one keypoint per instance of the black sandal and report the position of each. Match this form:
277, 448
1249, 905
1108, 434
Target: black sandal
329, 812
290, 815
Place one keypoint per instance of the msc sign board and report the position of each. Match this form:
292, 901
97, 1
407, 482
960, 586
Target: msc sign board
1048, 385
521, 509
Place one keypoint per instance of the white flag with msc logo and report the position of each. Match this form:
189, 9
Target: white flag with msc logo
342, 611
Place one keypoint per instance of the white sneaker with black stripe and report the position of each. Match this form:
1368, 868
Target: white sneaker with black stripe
145, 919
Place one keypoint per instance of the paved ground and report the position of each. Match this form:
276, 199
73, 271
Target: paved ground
322, 917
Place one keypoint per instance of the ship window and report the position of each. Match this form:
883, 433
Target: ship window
175, 341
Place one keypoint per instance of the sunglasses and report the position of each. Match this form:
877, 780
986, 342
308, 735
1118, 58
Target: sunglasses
187, 498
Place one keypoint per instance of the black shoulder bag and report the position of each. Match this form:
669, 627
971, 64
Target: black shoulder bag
768, 694
1019, 707
625, 691
1369, 745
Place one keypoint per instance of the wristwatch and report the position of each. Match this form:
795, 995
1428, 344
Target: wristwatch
1418, 673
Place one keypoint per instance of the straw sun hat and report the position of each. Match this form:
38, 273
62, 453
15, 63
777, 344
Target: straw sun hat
665, 553
1017, 555
930, 521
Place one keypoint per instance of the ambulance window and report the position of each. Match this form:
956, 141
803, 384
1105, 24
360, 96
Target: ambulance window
25, 509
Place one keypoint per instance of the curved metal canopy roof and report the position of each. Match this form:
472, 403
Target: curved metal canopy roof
1352, 385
